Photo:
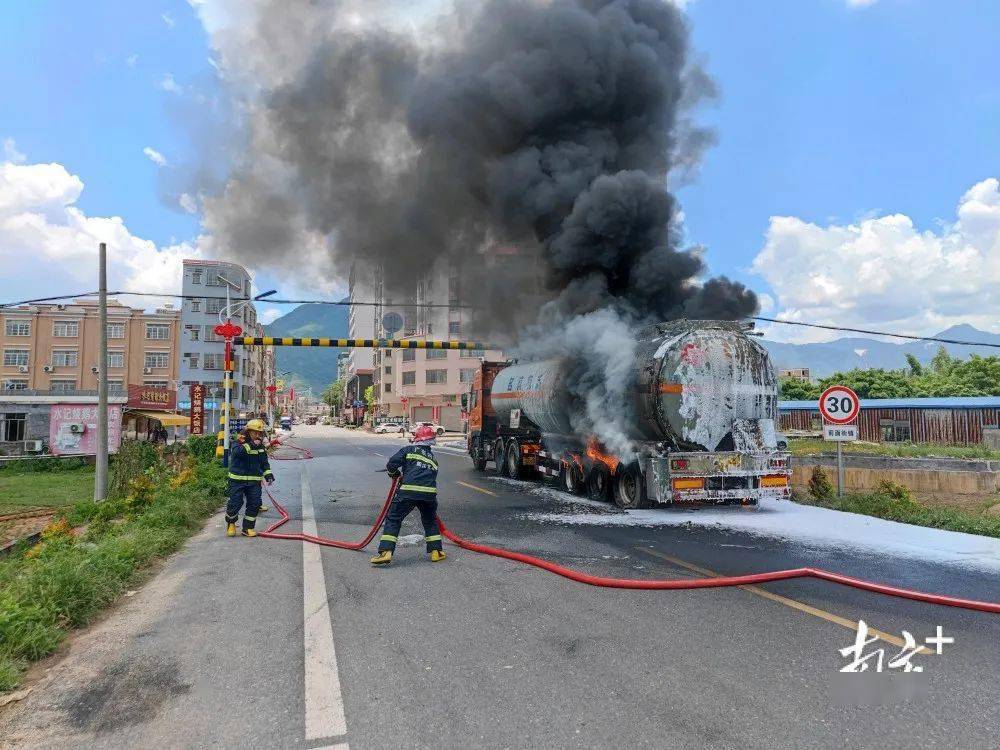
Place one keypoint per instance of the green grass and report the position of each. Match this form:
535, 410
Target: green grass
812, 446
895, 503
66, 580
41, 489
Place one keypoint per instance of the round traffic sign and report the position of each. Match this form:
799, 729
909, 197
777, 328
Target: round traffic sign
392, 322
839, 404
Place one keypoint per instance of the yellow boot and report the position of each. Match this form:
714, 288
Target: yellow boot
437, 555
231, 529
249, 532
382, 558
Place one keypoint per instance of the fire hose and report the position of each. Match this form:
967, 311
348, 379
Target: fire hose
303, 453
632, 583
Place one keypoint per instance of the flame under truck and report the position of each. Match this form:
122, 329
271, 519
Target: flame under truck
702, 407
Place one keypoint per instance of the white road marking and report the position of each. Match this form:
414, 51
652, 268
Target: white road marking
323, 698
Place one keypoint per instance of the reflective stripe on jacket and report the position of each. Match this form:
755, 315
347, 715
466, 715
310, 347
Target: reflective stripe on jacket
419, 469
248, 464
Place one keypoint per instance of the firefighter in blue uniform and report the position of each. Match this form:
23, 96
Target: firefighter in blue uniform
417, 489
248, 467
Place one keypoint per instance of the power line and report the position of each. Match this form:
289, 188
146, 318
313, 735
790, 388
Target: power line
876, 333
343, 303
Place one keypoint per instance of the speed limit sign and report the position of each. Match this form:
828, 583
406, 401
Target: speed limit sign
839, 404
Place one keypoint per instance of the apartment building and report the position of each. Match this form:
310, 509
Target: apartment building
421, 384
54, 349
202, 358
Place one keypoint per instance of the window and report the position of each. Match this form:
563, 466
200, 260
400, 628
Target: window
155, 383
116, 359
196, 276
157, 331
388, 370
17, 328
410, 378
213, 277
16, 357
196, 305
409, 355
437, 354
436, 376
388, 353
895, 431
388, 387
466, 376
192, 358
62, 386
116, 330
454, 328
12, 426
15, 384
65, 329
214, 305
213, 361
64, 358
210, 334
116, 388
472, 354
194, 332
158, 360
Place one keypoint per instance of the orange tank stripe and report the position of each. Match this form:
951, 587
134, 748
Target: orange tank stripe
671, 388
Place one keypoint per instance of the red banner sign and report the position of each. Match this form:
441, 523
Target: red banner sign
148, 397
197, 409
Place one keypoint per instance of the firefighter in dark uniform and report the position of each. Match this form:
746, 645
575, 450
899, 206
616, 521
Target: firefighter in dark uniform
248, 467
417, 489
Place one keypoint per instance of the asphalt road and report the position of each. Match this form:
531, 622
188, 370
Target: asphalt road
263, 643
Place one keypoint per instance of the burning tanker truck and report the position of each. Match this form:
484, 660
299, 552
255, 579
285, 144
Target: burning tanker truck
704, 402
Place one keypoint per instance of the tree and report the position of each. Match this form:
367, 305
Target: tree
795, 389
370, 396
333, 395
915, 367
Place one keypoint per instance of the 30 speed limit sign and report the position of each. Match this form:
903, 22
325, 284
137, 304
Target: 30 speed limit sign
839, 404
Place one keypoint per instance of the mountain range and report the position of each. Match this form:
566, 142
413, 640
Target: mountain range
318, 367
309, 367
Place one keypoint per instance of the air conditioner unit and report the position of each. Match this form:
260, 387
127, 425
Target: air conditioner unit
48, 368
147, 370
77, 428
22, 368
60, 307
32, 446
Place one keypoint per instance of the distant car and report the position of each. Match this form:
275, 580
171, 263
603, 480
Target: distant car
433, 425
312, 420
390, 427
782, 442
286, 423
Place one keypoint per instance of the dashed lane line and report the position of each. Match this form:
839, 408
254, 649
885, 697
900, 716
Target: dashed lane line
476, 488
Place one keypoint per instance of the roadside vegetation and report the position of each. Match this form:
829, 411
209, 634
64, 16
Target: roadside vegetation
91, 553
944, 376
814, 446
895, 503
46, 482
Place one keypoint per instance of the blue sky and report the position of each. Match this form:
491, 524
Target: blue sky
828, 113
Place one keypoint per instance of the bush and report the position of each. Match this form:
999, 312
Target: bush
66, 579
202, 447
41, 465
819, 484
133, 459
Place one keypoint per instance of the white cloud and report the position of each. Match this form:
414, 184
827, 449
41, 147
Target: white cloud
168, 20
169, 84
882, 272
860, 3
131, 60
155, 156
10, 152
270, 314
188, 203
39, 220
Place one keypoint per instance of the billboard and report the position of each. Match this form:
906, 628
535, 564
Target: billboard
73, 429
197, 426
148, 397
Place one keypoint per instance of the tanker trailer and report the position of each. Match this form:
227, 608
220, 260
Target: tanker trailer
702, 406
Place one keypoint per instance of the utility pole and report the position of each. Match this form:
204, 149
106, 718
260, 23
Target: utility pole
101, 473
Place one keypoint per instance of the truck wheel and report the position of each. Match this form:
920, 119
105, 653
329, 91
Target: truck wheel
630, 489
512, 466
572, 478
478, 457
498, 455
599, 483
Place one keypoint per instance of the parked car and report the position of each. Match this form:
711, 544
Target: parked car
390, 427
312, 420
433, 425
782, 442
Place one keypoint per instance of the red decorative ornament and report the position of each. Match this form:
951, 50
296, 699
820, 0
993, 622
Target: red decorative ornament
228, 331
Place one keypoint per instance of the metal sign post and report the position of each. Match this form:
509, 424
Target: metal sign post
839, 406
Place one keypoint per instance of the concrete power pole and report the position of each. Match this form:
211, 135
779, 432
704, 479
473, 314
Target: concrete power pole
101, 473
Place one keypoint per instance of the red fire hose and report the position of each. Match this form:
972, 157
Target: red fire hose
303, 453
634, 583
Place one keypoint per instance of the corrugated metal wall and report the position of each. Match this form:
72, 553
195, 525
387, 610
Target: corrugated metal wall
952, 426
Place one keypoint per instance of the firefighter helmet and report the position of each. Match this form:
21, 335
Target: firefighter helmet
424, 432
256, 425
